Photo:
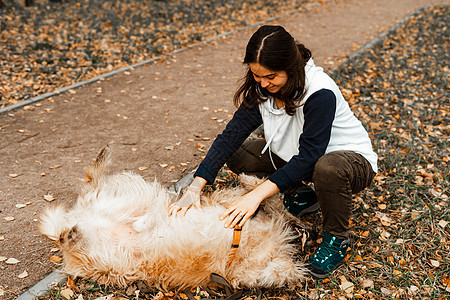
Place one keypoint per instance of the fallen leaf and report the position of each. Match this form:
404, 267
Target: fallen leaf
20, 205
142, 168
55, 259
54, 250
367, 283
12, 261
385, 235
443, 223
70, 282
55, 167
414, 215
396, 273
446, 281
49, 198
9, 218
385, 291
23, 275
163, 165
413, 289
347, 287
434, 263
2, 237
200, 145
2, 258
67, 293
13, 175
382, 206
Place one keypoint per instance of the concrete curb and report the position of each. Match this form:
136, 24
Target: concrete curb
41, 288
131, 67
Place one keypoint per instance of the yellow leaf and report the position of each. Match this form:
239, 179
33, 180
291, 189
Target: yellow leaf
434, 263
12, 261
55, 259
23, 275
443, 223
382, 206
49, 198
67, 293
347, 287
414, 215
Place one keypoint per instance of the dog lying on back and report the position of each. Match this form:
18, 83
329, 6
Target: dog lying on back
119, 231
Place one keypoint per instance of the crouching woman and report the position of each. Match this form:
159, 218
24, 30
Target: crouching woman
311, 135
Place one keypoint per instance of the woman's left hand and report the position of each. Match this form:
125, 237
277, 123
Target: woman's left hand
241, 210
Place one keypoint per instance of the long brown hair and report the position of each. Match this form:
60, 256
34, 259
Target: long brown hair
276, 50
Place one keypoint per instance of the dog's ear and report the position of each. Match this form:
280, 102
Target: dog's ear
249, 182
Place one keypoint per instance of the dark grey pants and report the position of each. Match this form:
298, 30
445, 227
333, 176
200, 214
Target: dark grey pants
336, 177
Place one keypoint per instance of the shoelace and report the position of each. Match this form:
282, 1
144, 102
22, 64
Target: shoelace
326, 250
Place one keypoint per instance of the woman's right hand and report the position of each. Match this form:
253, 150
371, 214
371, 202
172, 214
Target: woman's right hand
191, 197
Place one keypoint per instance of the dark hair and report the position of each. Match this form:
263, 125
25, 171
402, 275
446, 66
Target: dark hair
276, 50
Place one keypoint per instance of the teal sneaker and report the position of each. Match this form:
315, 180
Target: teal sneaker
329, 256
301, 202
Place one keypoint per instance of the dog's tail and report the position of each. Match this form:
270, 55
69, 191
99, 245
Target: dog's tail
95, 172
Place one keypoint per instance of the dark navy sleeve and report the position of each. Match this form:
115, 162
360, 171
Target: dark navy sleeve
319, 112
244, 122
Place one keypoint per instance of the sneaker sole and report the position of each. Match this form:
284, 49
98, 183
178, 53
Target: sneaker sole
309, 210
318, 276
324, 275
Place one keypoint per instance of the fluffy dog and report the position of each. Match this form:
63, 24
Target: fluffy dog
119, 231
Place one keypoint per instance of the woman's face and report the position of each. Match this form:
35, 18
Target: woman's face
272, 81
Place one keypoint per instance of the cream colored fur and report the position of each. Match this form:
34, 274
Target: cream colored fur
119, 231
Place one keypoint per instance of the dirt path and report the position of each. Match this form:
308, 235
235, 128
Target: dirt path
161, 118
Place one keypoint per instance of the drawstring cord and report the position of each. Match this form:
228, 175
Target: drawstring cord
267, 146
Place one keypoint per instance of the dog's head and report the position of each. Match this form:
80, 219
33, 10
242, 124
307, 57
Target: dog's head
57, 226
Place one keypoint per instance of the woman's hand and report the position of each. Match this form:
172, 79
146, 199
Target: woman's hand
191, 197
240, 210
243, 208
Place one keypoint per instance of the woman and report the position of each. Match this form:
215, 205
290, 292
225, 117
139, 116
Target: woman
311, 135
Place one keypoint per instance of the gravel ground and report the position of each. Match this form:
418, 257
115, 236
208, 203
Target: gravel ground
50, 45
